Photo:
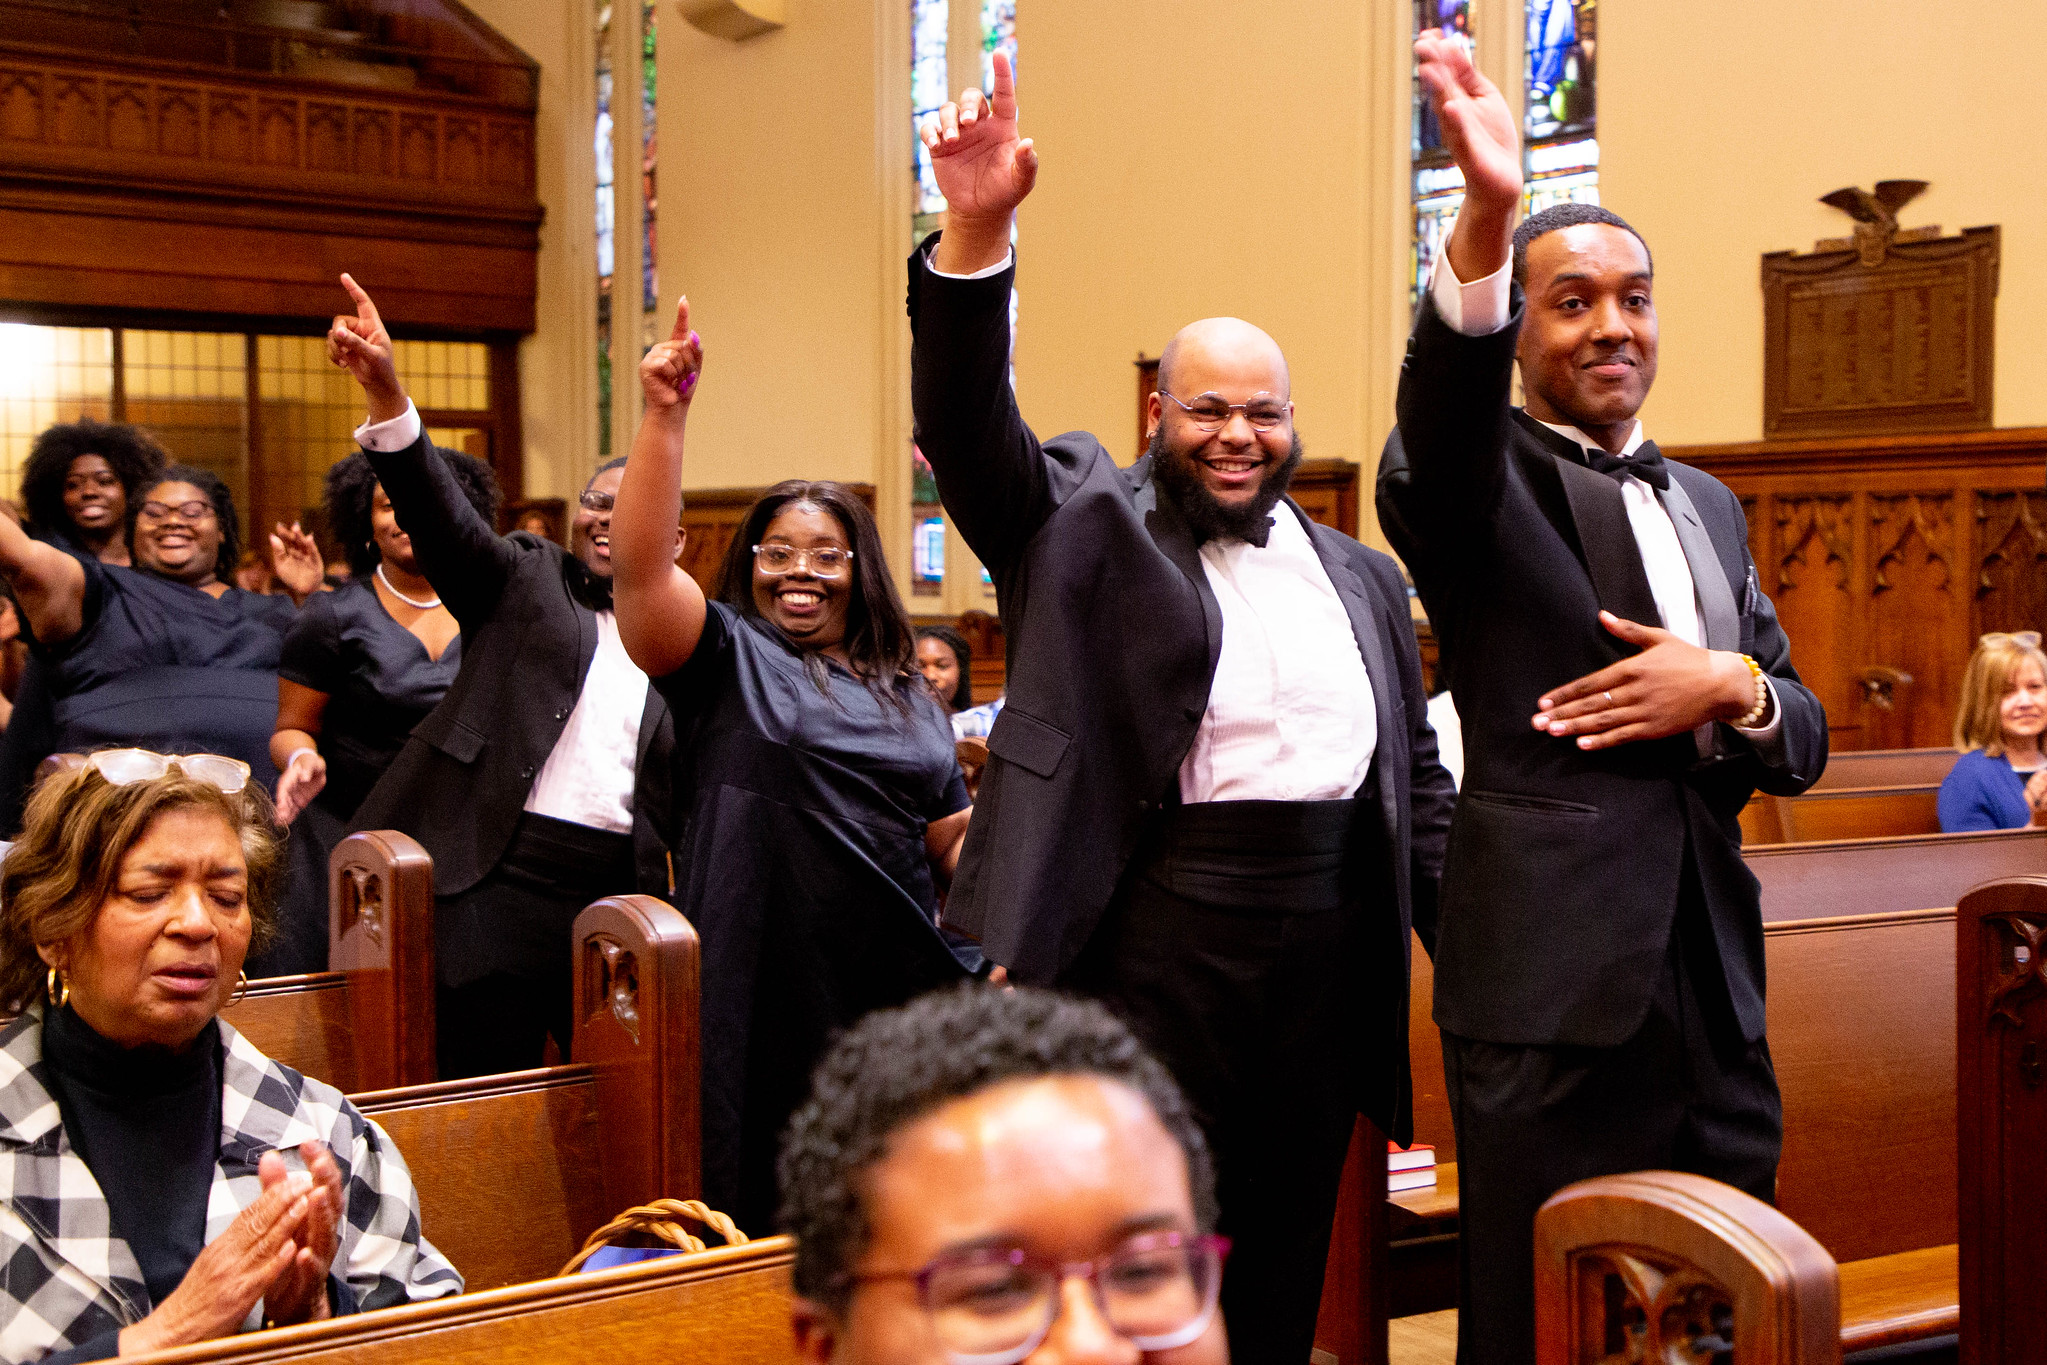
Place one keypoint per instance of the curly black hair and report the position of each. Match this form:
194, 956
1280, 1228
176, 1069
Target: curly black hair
216, 491
351, 489
129, 451
895, 1066
1567, 214
962, 654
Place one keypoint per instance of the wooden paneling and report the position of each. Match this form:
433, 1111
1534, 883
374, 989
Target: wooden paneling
1886, 557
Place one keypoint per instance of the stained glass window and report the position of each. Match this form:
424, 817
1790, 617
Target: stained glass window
928, 24
1560, 153
998, 34
607, 219
652, 326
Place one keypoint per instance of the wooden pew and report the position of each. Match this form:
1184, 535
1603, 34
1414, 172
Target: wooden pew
1841, 813
514, 1171
369, 1023
1877, 876
1887, 768
1658, 1266
2001, 1026
729, 1304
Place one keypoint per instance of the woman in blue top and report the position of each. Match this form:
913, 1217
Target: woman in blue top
2000, 781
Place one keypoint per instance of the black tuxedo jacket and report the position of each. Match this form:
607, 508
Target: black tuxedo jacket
1561, 881
459, 784
1113, 639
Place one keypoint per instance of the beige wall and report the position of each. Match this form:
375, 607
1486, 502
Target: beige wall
1721, 124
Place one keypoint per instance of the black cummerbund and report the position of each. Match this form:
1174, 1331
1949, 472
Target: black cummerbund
1281, 857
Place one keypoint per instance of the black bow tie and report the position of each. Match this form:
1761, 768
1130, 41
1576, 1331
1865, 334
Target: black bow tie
1645, 464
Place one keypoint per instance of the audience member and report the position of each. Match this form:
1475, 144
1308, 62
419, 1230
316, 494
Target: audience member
166, 1182
977, 721
81, 478
947, 663
817, 779
163, 654
2000, 781
362, 666
542, 780
1000, 1176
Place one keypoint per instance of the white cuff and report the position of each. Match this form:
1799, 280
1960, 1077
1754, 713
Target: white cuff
1769, 731
396, 434
1475, 310
995, 269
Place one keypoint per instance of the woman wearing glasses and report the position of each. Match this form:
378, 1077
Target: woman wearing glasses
165, 654
815, 778
166, 1182
2000, 781
362, 665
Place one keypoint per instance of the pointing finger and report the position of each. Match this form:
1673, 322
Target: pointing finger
1005, 86
364, 309
681, 332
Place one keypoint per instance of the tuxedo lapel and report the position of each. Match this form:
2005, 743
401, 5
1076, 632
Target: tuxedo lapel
1170, 532
1717, 613
1359, 606
1612, 558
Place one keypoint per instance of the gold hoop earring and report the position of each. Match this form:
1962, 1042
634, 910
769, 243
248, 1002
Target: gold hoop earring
58, 987
241, 988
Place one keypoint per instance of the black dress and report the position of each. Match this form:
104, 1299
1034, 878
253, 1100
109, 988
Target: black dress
379, 682
802, 865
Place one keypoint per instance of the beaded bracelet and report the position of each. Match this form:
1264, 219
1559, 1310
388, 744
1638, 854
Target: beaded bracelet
1762, 706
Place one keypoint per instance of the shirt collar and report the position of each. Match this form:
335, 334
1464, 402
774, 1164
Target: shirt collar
1572, 433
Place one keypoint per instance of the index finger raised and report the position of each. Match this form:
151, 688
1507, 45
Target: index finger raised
1004, 99
680, 332
364, 308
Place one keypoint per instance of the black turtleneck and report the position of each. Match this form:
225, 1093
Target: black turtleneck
146, 1121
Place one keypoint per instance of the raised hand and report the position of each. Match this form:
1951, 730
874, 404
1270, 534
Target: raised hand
296, 559
361, 346
299, 1294
1671, 687
670, 370
232, 1273
1483, 135
984, 168
301, 781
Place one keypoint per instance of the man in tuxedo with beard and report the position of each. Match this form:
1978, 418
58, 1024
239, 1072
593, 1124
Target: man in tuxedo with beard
1213, 799
1624, 688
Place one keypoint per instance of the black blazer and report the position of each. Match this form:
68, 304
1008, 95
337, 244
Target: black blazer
1561, 883
1113, 639
459, 784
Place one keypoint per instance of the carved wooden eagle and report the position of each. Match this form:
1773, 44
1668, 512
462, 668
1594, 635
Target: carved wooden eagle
1875, 213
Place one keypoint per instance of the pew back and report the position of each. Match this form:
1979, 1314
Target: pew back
2001, 989
1886, 768
304, 1022
1842, 813
1647, 1266
730, 1305
1879, 876
514, 1171
380, 932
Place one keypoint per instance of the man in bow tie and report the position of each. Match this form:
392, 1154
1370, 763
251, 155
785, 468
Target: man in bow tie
1624, 689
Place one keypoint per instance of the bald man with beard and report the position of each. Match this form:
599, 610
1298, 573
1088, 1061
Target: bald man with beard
1213, 799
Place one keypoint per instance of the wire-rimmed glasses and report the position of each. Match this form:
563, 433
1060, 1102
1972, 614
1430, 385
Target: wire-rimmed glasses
996, 1305
1208, 412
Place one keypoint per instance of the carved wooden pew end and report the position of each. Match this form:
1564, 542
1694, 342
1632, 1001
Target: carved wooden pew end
1663, 1266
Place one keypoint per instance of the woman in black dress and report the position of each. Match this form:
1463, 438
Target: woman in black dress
362, 665
78, 482
817, 786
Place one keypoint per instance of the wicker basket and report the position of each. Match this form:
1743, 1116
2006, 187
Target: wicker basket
668, 1221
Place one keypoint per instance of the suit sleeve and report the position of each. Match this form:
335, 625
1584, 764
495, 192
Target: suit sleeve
1432, 794
467, 562
1790, 760
992, 474
1442, 475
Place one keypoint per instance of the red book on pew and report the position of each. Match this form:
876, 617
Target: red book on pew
1410, 1168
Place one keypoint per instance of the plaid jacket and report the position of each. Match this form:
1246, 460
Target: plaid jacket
66, 1278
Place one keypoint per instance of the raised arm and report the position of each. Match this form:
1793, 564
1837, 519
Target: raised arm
467, 562
660, 608
48, 583
991, 474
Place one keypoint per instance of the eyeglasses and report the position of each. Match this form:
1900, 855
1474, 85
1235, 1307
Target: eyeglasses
123, 766
826, 561
996, 1306
594, 501
2025, 639
1210, 413
194, 510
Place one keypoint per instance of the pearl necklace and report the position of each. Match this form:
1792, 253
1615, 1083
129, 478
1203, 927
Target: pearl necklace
427, 605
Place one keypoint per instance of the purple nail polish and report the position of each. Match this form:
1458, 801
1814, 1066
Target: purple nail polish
688, 385
695, 340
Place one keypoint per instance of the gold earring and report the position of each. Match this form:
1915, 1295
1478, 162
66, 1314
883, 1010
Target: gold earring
58, 987
241, 988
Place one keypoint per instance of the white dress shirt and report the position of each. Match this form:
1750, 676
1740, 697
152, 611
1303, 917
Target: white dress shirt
1290, 713
1480, 309
588, 776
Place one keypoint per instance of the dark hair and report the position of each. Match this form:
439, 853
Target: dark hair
1567, 214
896, 1066
215, 489
963, 654
129, 451
606, 467
352, 487
878, 642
